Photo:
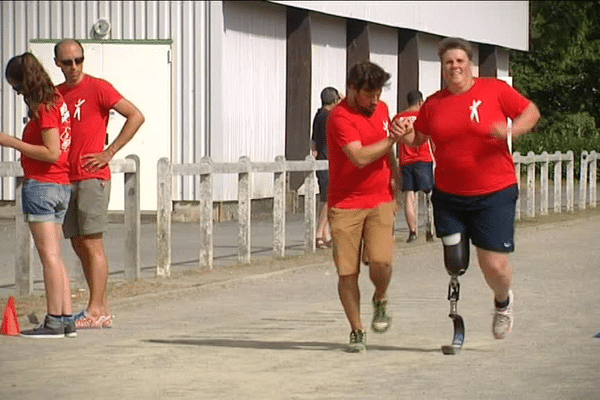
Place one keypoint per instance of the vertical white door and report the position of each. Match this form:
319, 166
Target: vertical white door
142, 74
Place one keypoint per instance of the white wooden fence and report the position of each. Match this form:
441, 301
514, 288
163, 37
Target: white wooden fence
205, 169
243, 168
559, 162
280, 167
24, 242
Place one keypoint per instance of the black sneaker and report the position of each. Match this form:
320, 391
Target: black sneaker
358, 341
70, 329
411, 237
381, 321
49, 329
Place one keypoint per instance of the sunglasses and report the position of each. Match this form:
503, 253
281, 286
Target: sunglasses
68, 63
18, 88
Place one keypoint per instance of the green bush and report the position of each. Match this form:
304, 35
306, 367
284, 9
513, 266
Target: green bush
575, 132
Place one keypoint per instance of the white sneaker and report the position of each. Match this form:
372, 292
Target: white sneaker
503, 319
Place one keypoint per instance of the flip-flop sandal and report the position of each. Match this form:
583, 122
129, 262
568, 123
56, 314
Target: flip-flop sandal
321, 244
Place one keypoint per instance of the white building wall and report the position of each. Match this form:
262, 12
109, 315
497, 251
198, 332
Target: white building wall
383, 42
254, 92
216, 44
502, 62
328, 37
430, 73
181, 21
501, 23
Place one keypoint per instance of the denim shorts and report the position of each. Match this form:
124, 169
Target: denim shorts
487, 220
45, 201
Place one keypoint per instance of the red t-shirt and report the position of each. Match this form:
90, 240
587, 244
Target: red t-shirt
55, 117
469, 161
410, 154
349, 186
90, 103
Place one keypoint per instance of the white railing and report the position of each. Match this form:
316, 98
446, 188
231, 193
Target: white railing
24, 242
280, 167
559, 162
243, 168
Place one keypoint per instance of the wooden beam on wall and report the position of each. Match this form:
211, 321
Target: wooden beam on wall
357, 42
488, 61
408, 65
298, 90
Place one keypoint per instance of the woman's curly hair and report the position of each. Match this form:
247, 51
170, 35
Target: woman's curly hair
35, 84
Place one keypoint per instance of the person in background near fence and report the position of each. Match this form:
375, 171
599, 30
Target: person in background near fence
90, 101
329, 98
475, 190
416, 165
46, 190
361, 197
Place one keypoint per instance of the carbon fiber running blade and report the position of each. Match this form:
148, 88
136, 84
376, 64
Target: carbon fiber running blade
459, 335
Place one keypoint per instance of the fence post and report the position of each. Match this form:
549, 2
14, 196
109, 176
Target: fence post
531, 184
279, 194
570, 181
310, 206
205, 215
244, 210
517, 162
24, 242
163, 219
544, 183
583, 167
558, 183
592, 185
131, 216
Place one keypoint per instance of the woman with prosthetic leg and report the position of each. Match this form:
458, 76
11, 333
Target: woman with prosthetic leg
475, 191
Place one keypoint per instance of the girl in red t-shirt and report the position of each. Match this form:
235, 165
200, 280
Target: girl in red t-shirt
46, 188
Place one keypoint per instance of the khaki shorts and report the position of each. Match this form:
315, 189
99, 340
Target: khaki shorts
354, 231
88, 208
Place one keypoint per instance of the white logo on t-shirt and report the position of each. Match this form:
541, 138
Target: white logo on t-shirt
474, 112
65, 138
64, 113
77, 113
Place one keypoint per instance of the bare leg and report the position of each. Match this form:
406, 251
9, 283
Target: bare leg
323, 226
496, 271
47, 237
349, 293
429, 227
90, 250
409, 211
380, 274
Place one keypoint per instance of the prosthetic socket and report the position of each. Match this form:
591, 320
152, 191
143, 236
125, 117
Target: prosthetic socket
456, 261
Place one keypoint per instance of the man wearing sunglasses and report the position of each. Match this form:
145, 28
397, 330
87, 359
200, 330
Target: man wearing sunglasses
90, 100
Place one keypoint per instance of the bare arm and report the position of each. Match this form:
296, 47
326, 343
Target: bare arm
397, 178
48, 152
361, 156
134, 119
521, 125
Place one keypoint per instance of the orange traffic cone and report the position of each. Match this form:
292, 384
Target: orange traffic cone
10, 323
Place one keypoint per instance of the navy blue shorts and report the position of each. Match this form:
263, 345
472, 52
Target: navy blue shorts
323, 179
417, 176
487, 220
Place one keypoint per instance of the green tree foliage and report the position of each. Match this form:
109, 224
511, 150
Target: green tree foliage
561, 74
